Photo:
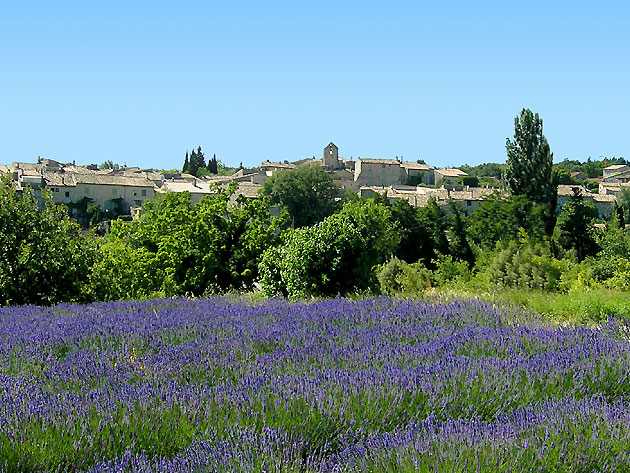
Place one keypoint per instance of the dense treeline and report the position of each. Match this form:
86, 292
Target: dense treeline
317, 244
367, 246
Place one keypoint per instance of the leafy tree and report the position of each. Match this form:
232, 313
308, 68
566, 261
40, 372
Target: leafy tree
484, 170
472, 181
308, 193
529, 164
416, 240
44, 257
574, 230
614, 244
399, 277
562, 177
618, 215
180, 248
501, 218
335, 256
459, 247
437, 226
622, 200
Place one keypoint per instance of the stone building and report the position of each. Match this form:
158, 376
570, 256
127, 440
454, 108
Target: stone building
379, 172
331, 157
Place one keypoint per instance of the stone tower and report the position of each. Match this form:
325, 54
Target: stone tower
331, 157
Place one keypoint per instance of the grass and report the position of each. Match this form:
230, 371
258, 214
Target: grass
588, 306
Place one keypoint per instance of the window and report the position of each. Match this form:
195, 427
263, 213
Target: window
87, 190
135, 194
468, 203
114, 191
144, 192
138, 203
67, 194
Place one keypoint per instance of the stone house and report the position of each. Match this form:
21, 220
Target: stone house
420, 173
379, 172
578, 176
448, 176
603, 202
104, 190
469, 198
621, 177
614, 169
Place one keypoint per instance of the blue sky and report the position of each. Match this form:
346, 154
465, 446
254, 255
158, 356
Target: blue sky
142, 82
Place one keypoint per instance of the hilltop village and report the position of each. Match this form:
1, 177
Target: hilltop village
125, 189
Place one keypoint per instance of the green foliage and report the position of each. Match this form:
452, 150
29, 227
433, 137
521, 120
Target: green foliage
622, 201
448, 270
525, 265
529, 165
400, 278
44, 258
501, 218
589, 305
614, 243
186, 164
213, 166
620, 277
436, 225
416, 242
124, 272
458, 245
562, 177
471, 181
109, 164
308, 193
574, 229
196, 163
484, 170
176, 248
529, 161
333, 257
414, 180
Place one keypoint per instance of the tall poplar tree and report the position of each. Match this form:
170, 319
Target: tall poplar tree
529, 164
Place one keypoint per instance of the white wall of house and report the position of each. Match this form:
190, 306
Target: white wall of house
103, 194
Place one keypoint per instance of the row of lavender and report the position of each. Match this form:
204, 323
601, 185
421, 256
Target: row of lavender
337, 385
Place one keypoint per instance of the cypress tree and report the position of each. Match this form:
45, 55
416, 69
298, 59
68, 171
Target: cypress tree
193, 167
213, 166
185, 167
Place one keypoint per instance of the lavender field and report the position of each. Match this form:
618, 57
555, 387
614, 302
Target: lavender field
337, 385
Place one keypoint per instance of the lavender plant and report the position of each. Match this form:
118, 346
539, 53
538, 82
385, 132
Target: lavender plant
335, 385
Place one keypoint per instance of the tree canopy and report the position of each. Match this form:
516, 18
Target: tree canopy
529, 160
574, 228
308, 193
44, 257
177, 248
335, 256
